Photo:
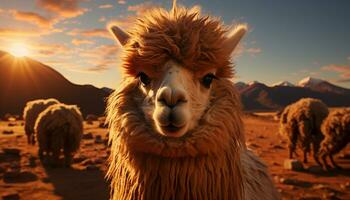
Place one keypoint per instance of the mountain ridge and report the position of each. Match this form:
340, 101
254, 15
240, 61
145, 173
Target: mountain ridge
24, 79
263, 97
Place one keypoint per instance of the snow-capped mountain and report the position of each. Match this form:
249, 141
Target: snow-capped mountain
254, 82
322, 86
283, 83
258, 96
310, 82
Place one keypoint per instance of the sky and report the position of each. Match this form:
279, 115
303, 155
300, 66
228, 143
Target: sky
287, 40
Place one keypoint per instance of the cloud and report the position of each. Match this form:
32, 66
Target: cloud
254, 51
78, 42
101, 58
102, 19
91, 33
64, 8
16, 32
33, 18
342, 70
106, 6
102, 66
141, 8
122, 2
45, 50
137, 10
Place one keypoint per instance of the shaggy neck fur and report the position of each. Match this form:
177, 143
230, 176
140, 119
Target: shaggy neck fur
203, 164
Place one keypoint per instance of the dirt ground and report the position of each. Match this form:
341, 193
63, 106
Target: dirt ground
22, 176
312, 182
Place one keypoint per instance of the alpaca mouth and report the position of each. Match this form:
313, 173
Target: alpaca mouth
171, 128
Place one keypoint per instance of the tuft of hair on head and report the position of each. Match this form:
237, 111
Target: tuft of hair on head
174, 7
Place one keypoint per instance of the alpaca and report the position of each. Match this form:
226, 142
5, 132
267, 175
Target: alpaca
301, 122
59, 127
175, 122
30, 114
336, 129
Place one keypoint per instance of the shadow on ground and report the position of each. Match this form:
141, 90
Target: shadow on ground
70, 183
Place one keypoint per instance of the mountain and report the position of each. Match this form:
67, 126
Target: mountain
107, 89
24, 79
283, 83
254, 82
241, 85
322, 86
309, 82
261, 97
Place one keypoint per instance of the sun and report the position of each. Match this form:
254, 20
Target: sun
19, 50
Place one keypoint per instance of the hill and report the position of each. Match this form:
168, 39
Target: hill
24, 79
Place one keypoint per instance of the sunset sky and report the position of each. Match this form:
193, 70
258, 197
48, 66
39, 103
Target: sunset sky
288, 40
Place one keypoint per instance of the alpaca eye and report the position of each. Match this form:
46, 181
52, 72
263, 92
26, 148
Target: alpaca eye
208, 79
145, 80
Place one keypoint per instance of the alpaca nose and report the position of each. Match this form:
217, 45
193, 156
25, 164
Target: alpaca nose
171, 97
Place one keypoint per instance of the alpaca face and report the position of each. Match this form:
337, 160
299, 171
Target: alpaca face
175, 97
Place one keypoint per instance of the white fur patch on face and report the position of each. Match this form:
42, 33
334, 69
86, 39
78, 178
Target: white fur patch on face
175, 101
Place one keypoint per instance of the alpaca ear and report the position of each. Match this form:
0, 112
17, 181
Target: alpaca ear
235, 36
120, 35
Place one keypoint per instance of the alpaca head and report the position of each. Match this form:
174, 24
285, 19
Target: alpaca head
176, 56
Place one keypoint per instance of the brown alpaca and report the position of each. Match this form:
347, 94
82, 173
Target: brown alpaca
175, 124
336, 130
301, 123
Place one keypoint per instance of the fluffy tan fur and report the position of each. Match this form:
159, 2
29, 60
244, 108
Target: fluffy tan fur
301, 122
59, 127
181, 35
210, 161
30, 114
336, 129
204, 164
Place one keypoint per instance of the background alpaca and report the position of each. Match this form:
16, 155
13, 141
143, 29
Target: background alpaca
59, 127
175, 123
336, 129
301, 122
30, 114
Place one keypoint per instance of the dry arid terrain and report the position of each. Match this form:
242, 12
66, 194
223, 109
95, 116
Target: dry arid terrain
22, 176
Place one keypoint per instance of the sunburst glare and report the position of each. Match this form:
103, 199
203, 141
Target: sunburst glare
19, 50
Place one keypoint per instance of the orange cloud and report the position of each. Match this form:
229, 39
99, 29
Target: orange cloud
64, 8
254, 50
343, 70
138, 9
141, 8
91, 33
102, 19
33, 18
102, 58
78, 42
102, 66
15, 32
44, 50
122, 2
106, 6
